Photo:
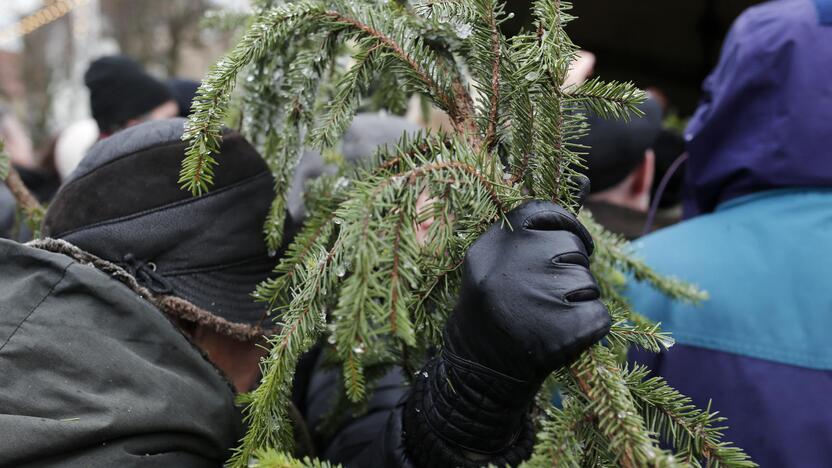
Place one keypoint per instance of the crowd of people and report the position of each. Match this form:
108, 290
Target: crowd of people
124, 340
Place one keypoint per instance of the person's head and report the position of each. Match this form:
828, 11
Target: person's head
122, 94
620, 162
765, 117
199, 257
183, 92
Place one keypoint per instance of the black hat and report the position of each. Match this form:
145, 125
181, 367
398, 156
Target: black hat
183, 92
121, 90
124, 204
617, 147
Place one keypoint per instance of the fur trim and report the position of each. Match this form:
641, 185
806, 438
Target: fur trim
172, 306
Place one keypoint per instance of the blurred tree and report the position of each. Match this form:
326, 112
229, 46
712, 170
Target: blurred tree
47, 53
155, 32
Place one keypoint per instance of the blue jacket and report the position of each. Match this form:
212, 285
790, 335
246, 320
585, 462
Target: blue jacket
760, 347
759, 185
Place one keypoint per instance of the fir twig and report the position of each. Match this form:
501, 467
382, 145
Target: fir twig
5, 161
595, 96
617, 254
356, 269
494, 99
601, 382
692, 431
32, 210
271, 458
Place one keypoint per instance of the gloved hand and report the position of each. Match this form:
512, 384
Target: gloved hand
528, 303
528, 306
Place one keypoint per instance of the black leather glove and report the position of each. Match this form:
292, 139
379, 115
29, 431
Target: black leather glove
528, 306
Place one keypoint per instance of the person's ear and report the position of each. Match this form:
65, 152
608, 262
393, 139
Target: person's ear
643, 175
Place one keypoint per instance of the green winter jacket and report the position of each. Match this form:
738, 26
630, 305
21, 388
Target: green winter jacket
93, 375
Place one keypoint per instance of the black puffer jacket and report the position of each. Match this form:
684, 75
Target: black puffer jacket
370, 439
93, 375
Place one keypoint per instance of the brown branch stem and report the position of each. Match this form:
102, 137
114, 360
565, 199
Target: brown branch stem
397, 49
627, 459
709, 450
460, 107
25, 200
491, 132
394, 275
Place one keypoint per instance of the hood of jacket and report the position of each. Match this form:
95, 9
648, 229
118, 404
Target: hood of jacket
765, 118
91, 374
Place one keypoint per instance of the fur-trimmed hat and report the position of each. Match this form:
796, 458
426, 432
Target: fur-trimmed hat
124, 205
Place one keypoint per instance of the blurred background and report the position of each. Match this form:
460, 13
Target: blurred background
46, 45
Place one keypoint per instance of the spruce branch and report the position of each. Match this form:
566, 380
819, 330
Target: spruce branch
691, 431
350, 88
357, 272
376, 207
644, 334
285, 127
278, 289
303, 320
403, 330
547, 60
450, 97
523, 119
270, 458
446, 10
600, 380
210, 105
494, 98
382, 39
5, 161
33, 211
485, 60
615, 252
609, 100
561, 435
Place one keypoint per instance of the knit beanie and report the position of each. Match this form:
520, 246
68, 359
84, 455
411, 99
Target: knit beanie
121, 90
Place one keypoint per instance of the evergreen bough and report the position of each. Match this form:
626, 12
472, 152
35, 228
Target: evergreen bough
358, 278
29, 210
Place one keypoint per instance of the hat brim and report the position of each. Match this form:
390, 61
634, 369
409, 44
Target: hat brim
226, 293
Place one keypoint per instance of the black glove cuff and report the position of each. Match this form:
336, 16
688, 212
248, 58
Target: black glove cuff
457, 416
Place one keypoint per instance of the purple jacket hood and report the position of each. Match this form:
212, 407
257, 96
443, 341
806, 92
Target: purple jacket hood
765, 119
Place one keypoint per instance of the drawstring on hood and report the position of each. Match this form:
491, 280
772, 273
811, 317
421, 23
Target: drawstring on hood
146, 274
169, 304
